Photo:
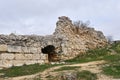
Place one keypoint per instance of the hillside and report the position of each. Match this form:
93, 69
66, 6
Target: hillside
96, 64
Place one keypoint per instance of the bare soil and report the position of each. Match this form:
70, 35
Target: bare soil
94, 67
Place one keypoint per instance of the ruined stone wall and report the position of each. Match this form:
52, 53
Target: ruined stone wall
17, 50
18, 56
77, 39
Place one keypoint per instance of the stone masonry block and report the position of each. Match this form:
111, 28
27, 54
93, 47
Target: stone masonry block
33, 50
40, 61
36, 56
43, 56
18, 62
28, 56
29, 50
0, 57
7, 63
25, 49
28, 62
19, 56
14, 48
3, 48
8, 56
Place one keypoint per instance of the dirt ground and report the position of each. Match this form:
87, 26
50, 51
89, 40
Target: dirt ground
94, 67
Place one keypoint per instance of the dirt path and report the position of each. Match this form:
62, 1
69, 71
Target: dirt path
90, 66
83, 66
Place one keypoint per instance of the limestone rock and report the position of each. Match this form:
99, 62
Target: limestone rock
68, 76
14, 48
36, 56
28, 62
19, 56
77, 39
29, 56
18, 62
6, 64
3, 48
7, 56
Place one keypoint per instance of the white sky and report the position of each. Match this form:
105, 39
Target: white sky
40, 16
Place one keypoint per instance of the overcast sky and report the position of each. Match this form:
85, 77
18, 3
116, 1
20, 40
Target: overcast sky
40, 16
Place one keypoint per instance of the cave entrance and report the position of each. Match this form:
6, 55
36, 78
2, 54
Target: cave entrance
52, 54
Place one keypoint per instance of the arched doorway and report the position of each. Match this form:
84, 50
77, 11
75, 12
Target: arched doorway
52, 54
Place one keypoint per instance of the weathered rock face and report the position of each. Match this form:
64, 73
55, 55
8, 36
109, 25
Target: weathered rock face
68, 39
77, 39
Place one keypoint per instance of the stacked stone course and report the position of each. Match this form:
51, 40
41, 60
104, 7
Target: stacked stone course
18, 56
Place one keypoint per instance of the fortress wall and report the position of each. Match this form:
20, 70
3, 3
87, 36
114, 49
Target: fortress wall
18, 56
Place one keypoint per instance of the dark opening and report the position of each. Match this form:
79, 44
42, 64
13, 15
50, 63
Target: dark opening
50, 50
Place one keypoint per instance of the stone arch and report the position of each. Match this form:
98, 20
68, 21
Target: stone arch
52, 54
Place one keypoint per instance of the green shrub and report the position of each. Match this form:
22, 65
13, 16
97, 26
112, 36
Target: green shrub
116, 47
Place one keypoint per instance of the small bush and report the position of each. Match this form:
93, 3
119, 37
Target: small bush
116, 47
77, 25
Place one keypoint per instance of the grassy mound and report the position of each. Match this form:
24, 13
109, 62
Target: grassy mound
25, 70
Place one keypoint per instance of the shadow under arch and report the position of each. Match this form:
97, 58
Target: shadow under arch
52, 54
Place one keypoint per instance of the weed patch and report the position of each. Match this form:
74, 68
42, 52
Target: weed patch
112, 70
91, 55
86, 75
25, 70
67, 68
